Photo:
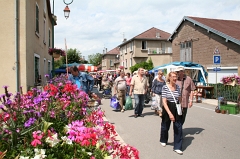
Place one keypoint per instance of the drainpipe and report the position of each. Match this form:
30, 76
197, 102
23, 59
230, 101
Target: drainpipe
17, 45
53, 39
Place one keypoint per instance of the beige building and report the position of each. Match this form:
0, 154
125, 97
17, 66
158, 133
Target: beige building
109, 59
26, 35
149, 44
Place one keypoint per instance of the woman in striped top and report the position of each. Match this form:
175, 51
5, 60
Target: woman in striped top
170, 113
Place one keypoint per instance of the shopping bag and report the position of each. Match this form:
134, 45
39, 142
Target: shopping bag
128, 104
154, 103
114, 103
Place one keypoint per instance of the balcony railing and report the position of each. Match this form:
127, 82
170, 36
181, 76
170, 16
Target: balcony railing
159, 50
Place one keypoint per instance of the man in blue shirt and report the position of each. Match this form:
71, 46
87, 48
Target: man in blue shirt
83, 80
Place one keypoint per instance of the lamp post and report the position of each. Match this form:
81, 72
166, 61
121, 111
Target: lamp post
66, 14
67, 10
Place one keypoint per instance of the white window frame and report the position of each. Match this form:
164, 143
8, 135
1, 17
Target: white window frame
131, 46
142, 45
111, 63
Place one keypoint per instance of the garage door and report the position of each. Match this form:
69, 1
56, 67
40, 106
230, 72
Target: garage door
225, 71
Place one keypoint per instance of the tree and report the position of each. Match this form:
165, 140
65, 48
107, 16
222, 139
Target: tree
57, 63
73, 55
146, 65
95, 59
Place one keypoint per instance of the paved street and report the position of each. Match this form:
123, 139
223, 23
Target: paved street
206, 133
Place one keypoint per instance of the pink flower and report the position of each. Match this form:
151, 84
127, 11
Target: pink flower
37, 135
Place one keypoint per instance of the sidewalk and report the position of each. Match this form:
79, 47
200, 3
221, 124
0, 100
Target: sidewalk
213, 101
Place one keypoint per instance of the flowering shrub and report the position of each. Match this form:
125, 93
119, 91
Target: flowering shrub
228, 79
55, 123
57, 51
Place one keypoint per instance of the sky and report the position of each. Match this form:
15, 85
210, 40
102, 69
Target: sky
97, 24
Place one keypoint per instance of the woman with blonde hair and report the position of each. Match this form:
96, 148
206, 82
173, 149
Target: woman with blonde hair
170, 96
156, 89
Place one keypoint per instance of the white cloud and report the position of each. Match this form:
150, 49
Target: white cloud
95, 24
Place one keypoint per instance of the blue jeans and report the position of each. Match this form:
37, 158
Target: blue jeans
128, 89
177, 128
139, 103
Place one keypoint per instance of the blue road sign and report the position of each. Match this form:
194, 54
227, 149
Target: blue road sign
217, 59
217, 69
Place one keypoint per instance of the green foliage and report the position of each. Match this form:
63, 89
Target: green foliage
73, 55
95, 59
57, 63
146, 65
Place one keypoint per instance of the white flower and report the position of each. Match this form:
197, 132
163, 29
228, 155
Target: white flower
39, 153
22, 157
67, 140
66, 128
53, 140
89, 153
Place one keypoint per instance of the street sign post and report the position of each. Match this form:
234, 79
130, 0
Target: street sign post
217, 69
217, 59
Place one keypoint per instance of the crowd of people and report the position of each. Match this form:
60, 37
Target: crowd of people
171, 91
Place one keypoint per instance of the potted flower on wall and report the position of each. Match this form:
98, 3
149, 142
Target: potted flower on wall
231, 80
56, 53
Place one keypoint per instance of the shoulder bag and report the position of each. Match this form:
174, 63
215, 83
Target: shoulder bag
178, 106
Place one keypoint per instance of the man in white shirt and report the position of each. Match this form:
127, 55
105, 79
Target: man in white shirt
120, 89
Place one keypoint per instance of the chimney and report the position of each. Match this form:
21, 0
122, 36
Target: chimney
103, 51
124, 40
106, 50
157, 35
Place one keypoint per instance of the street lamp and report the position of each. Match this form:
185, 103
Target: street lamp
67, 10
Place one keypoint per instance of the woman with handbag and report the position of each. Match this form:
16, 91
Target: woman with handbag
156, 89
171, 97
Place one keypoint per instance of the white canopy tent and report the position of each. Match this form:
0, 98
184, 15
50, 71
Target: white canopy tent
193, 72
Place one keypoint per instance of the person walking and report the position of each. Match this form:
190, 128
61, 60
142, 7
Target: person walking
187, 90
120, 89
156, 90
139, 86
83, 80
128, 80
170, 94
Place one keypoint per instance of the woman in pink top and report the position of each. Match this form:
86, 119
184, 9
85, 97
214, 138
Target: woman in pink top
128, 81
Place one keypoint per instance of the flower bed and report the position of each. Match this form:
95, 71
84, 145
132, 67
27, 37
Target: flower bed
55, 124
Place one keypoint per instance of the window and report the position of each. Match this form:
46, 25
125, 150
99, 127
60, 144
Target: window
37, 75
130, 62
44, 31
126, 48
49, 68
163, 48
144, 45
125, 63
44, 5
37, 18
111, 63
131, 46
186, 51
49, 38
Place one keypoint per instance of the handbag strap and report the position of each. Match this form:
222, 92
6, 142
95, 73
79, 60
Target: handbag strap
172, 94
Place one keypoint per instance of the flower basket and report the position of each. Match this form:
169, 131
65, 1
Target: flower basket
231, 83
55, 55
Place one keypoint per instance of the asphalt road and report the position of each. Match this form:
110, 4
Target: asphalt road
206, 134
